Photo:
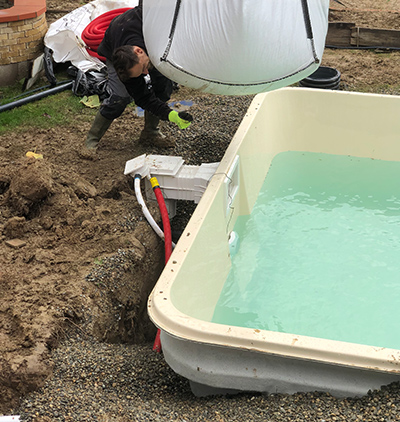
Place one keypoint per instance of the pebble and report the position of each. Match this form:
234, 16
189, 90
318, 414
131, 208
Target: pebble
15, 243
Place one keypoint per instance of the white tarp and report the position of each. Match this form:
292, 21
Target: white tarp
235, 47
64, 35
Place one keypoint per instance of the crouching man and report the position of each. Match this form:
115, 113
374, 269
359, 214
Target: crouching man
128, 65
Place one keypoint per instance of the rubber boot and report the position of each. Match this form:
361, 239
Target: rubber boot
96, 132
151, 134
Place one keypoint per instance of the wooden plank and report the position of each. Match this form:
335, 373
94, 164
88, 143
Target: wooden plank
368, 37
339, 34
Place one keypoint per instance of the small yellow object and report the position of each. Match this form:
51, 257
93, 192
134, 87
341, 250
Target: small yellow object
91, 101
154, 182
34, 155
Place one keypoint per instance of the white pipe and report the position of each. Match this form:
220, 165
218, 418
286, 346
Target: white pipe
145, 210
9, 418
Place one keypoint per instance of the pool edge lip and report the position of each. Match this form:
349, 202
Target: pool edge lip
183, 327
173, 322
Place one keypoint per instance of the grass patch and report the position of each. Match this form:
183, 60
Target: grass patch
59, 109
378, 88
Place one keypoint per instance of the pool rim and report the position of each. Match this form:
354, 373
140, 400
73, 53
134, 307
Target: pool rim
168, 318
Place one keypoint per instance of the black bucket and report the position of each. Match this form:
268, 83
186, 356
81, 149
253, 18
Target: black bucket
322, 78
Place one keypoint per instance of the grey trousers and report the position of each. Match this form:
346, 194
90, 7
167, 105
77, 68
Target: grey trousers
114, 105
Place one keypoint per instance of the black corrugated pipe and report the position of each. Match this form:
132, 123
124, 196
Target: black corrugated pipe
323, 78
38, 96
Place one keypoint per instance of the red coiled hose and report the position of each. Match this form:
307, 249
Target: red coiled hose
93, 34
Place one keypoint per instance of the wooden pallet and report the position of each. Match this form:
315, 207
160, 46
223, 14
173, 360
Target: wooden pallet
346, 34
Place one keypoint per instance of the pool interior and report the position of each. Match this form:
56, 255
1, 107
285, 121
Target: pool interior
318, 256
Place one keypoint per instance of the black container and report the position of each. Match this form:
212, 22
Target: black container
322, 78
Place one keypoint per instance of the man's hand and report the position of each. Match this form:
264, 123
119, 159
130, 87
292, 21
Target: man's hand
183, 119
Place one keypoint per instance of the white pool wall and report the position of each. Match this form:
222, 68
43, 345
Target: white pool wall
290, 119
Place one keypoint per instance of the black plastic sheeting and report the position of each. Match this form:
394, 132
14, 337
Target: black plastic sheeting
87, 83
48, 65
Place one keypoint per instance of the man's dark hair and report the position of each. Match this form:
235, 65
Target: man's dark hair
124, 58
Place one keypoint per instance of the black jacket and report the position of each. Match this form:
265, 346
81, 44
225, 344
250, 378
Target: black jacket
127, 29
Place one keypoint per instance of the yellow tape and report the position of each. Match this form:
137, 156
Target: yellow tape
154, 182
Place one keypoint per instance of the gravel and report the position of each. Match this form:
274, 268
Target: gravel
216, 119
94, 381
116, 383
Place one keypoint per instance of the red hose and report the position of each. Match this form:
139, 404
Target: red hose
165, 221
93, 34
167, 240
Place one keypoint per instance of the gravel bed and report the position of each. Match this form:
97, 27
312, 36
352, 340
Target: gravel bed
119, 383
95, 381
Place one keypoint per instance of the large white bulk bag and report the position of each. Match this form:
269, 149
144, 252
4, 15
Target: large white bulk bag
235, 47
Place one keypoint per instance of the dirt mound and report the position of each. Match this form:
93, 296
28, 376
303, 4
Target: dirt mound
71, 253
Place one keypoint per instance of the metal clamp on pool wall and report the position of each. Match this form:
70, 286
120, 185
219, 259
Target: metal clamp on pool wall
177, 180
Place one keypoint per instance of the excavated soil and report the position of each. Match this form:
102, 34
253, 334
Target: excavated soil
75, 250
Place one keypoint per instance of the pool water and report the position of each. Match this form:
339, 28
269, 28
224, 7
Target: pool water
320, 253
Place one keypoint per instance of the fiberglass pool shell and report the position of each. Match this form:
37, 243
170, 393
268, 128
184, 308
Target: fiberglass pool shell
219, 357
